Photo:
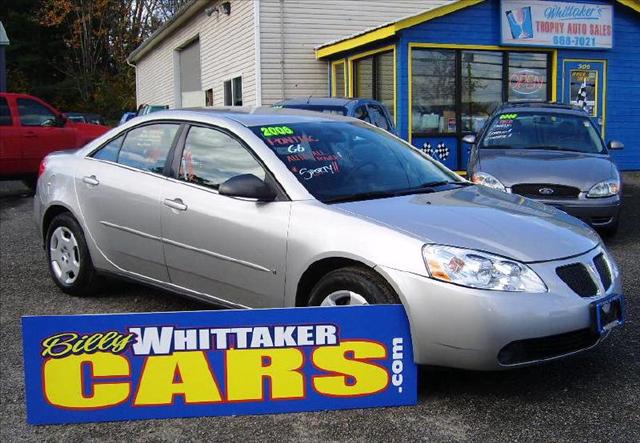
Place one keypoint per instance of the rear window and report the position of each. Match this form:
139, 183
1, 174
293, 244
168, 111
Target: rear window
336, 110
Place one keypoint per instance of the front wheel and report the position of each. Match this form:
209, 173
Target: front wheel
70, 264
352, 286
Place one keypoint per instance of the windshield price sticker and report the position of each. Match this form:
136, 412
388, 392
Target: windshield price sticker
272, 131
185, 364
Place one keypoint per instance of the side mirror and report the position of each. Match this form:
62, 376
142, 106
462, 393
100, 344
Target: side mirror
247, 186
615, 144
469, 138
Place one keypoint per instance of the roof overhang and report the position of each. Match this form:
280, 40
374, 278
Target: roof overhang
185, 13
389, 30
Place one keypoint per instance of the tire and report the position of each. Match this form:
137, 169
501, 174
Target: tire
352, 286
68, 257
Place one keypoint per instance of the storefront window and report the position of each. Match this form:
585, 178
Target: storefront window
527, 77
433, 91
481, 86
338, 89
373, 78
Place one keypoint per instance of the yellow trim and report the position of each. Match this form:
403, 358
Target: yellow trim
388, 48
633, 4
334, 64
554, 67
391, 30
604, 85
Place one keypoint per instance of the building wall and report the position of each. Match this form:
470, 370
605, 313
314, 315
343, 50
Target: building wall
227, 50
291, 29
480, 25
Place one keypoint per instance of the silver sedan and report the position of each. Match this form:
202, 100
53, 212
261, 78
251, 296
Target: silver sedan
273, 208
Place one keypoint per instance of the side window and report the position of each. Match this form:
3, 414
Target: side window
146, 148
5, 112
211, 157
33, 113
361, 114
378, 117
110, 150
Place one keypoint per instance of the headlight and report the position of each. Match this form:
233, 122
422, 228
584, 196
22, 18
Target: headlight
488, 180
606, 188
475, 269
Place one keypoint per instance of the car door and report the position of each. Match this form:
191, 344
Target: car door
229, 248
119, 190
10, 142
41, 132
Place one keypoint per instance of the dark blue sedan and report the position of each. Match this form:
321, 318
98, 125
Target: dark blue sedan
370, 111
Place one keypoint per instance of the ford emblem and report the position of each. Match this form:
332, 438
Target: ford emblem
545, 191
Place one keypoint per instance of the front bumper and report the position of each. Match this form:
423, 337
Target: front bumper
597, 212
467, 328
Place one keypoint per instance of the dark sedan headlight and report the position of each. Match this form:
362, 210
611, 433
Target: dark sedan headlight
480, 270
607, 188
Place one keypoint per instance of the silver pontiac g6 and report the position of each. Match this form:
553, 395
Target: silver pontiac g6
271, 208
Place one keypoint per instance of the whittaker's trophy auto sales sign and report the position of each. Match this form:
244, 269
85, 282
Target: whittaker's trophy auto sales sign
88, 368
557, 24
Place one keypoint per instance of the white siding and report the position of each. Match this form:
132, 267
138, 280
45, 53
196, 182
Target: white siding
309, 23
226, 51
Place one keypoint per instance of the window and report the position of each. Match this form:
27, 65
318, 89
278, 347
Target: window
433, 91
109, 151
373, 78
361, 113
233, 92
481, 87
211, 157
5, 112
528, 77
337, 79
33, 113
147, 147
455, 91
378, 117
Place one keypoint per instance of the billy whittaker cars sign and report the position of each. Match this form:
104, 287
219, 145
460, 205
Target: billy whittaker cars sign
89, 368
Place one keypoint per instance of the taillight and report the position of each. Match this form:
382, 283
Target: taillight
43, 166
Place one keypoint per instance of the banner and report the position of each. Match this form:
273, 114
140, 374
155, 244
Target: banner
88, 368
557, 24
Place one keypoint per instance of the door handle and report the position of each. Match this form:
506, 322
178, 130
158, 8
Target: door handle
91, 180
176, 204
30, 134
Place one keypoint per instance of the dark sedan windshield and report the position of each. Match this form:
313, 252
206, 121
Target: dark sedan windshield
543, 130
342, 161
337, 110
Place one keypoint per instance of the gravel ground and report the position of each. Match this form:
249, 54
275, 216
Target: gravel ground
591, 397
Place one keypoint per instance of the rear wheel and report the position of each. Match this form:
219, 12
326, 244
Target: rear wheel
352, 286
70, 264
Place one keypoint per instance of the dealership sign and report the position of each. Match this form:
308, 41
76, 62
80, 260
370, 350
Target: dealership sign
556, 24
88, 368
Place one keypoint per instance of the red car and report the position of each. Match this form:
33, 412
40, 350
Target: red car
30, 129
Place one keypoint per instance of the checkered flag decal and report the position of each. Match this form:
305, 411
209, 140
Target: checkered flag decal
442, 151
439, 152
581, 99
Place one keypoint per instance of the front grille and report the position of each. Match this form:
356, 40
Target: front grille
542, 348
603, 270
543, 190
577, 277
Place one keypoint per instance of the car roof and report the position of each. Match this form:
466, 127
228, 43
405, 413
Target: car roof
321, 101
541, 107
252, 116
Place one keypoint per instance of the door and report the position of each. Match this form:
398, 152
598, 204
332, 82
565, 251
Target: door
41, 132
584, 85
119, 189
229, 248
10, 142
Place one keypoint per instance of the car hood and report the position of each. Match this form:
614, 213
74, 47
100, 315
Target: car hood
483, 219
513, 166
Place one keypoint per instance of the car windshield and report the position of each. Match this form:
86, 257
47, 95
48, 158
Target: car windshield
543, 130
336, 110
348, 161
